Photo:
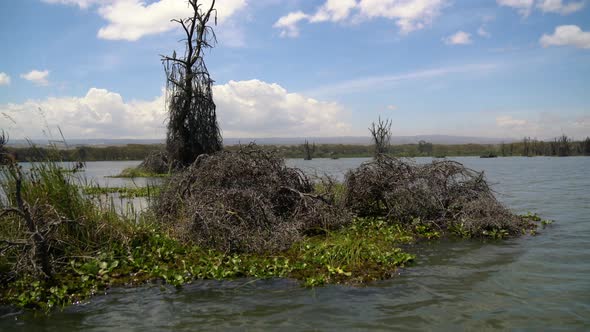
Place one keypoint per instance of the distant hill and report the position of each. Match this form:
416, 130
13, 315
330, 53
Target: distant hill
352, 140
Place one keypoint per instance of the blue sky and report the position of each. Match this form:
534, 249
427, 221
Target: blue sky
493, 68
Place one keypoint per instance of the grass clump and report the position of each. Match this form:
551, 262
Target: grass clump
44, 219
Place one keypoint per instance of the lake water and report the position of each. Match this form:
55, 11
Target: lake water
531, 283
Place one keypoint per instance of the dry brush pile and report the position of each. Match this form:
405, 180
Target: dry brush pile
444, 194
157, 163
245, 201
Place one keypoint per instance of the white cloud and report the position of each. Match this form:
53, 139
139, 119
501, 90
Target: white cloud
482, 32
80, 3
133, 19
334, 10
288, 24
39, 77
567, 35
391, 107
557, 6
255, 109
409, 15
458, 38
245, 109
4, 79
509, 121
525, 7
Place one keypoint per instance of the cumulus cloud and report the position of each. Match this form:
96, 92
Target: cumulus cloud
245, 109
458, 38
39, 77
133, 19
509, 121
567, 35
4, 79
288, 24
409, 15
525, 7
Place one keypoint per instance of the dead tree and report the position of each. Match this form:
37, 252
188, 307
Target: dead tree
563, 146
381, 134
3, 152
192, 121
35, 227
309, 150
586, 146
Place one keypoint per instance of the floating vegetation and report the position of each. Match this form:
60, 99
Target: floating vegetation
368, 250
123, 192
230, 215
135, 172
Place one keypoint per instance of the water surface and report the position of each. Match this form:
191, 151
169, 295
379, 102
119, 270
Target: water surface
531, 283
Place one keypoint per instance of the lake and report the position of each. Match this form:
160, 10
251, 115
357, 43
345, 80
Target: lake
531, 283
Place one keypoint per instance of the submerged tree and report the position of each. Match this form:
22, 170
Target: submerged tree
563, 146
192, 124
3, 153
425, 148
309, 150
586, 146
381, 134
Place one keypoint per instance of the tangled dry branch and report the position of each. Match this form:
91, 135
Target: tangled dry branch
245, 201
445, 193
192, 122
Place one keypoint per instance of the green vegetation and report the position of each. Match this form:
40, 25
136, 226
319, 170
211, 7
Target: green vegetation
84, 153
58, 247
367, 251
136, 172
123, 192
528, 147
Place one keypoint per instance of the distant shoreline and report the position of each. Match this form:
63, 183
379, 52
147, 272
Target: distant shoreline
294, 151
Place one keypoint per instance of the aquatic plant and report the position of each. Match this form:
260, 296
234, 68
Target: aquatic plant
123, 192
136, 172
368, 250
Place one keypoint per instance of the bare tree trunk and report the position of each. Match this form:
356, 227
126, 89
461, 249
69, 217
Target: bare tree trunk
381, 133
192, 125
309, 150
